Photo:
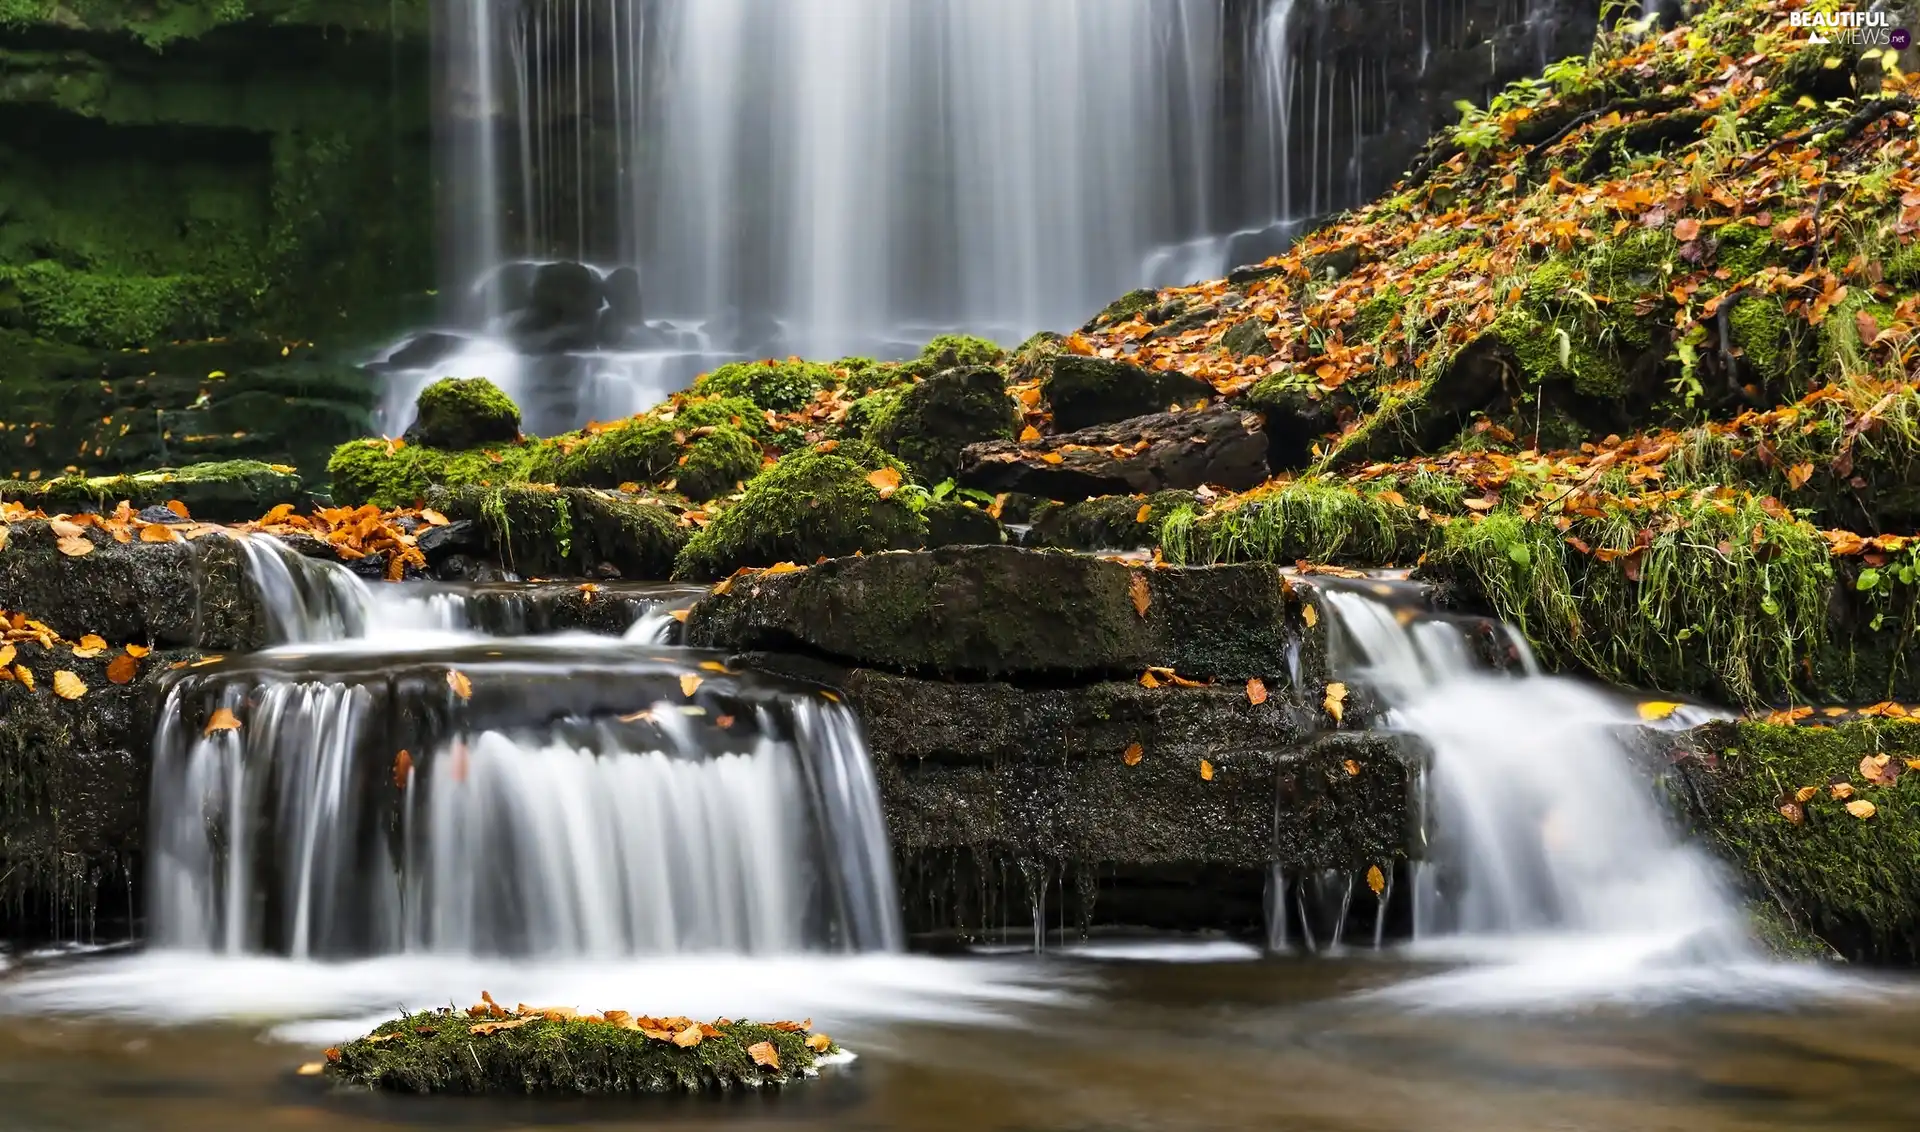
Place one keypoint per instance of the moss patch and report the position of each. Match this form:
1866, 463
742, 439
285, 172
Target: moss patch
782, 386
931, 421
458, 413
440, 1052
228, 491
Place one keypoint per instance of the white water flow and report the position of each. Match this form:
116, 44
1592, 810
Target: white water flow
1548, 840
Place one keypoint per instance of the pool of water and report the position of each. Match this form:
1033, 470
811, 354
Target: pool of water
1113, 1038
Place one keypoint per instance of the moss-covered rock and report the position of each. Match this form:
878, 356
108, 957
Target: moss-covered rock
993, 611
1106, 523
1085, 391
1124, 307
561, 1052
459, 413
812, 503
951, 351
782, 386
931, 421
390, 474
1033, 359
1851, 880
960, 522
539, 530
228, 491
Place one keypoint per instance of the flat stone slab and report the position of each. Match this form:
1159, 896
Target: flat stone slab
1222, 447
992, 611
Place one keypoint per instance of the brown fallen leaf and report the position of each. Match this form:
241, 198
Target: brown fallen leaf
1798, 475
485, 1028
763, 1053
122, 669
1805, 793
68, 686
691, 1036
402, 769
159, 532
1256, 692
1133, 754
886, 481
222, 719
1351, 767
1841, 790
457, 680
1206, 771
1336, 700
1137, 590
1878, 769
819, 1043
1861, 808
74, 546
138, 650
1149, 680
1791, 810
1376, 879
689, 683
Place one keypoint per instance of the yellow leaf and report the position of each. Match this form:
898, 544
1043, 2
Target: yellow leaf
1309, 614
25, 675
886, 481
1140, 516
688, 1038
679, 615
74, 546
1206, 770
496, 1027
689, 683
1336, 699
137, 651
312, 1069
1352, 768
1657, 709
178, 508
433, 518
158, 532
1841, 790
714, 666
1029, 434
1798, 475
6, 655
1133, 754
763, 1053
222, 719
68, 686
1256, 692
1147, 680
1860, 808
1805, 793
1376, 879
1053, 458
1137, 590
461, 686
1874, 769
819, 1043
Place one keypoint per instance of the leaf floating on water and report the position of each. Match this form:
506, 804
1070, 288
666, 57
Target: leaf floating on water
715, 666
1879, 770
1336, 700
1133, 754
1861, 808
763, 1053
1256, 692
74, 546
689, 683
1310, 615
68, 686
679, 615
1805, 793
886, 481
402, 769
691, 1036
312, 1069
222, 719
1376, 879
1137, 590
457, 680
1657, 709
1206, 771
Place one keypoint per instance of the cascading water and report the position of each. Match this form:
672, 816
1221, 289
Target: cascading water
1541, 825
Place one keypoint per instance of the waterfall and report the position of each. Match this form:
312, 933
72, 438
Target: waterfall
362, 809
1541, 823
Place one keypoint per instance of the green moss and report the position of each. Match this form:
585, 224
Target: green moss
227, 491
1033, 359
1433, 243
458, 413
864, 413
1125, 307
1376, 316
373, 471
1744, 249
539, 530
641, 450
929, 423
438, 1052
808, 505
948, 351
961, 522
1903, 266
1309, 519
782, 386
1851, 881
108, 309
1765, 335
1561, 347
1106, 523
717, 464
1248, 338
1086, 391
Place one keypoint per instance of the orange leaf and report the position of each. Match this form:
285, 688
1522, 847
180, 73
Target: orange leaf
122, 669
763, 1053
1861, 808
1876, 769
137, 651
689, 1037
1140, 516
1133, 754
688, 683
402, 769
886, 481
1336, 700
1206, 771
1029, 434
1147, 680
1798, 475
222, 720
68, 686
433, 518
25, 675
1137, 590
178, 508
158, 532
819, 1043
461, 686
1686, 229
1256, 692
1352, 768
1052, 458
75, 546
1376, 879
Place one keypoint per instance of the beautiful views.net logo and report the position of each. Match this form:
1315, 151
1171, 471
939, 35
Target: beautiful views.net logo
1865, 29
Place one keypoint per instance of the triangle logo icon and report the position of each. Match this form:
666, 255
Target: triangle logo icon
1816, 37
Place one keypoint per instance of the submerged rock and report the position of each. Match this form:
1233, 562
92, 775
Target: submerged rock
991, 611
1224, 447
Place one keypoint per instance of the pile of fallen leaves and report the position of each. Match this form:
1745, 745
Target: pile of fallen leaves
18, 629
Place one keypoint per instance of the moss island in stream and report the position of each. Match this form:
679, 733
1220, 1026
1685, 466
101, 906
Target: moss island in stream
546, 1050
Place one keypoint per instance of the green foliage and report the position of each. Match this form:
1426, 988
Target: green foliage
777, 385
437, 1052
950, 350
107, 309
373, 471
717, 464
1309, 519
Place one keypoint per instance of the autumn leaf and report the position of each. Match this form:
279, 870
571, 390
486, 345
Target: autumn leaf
1206, 771
1336, 700
1310, 615
1841, 790
7, 653
1798, 475
158, 532
137, 651
311, 1068
1052, 458
819, 1043
763, 1053
433, 518
1029, 434
689, 683
1256, 692
1133, 754
178, 508
74, 546
688, 1038
1352, 768
1791, 810
1137, 590
1140, 516
402, 769
25, 675
886, 481
1148, 680
1657, 709
68, 686
1878, 770
222, 719
1805, 793
122, 669
1376, 879
485, 1028
1686, 229
1861, 808
458, 681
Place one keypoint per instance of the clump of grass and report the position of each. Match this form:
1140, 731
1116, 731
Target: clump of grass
1312, 519
559, 1051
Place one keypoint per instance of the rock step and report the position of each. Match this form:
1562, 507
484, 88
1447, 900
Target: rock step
1222, 447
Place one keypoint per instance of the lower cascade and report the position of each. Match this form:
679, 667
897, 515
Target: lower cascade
553, 796
1537, 820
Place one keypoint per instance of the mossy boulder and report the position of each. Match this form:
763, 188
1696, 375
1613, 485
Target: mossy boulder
950, 351
459, 413
561, 1052
782, 386
959, 522
1124, 308
390, 474
812, 503
539, 530
990, 611
700, 461
1085, 391
222, 492
1106, 523
1852, 881
1032, 360
928, 424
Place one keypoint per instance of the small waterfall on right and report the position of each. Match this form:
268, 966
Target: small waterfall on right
1540, 824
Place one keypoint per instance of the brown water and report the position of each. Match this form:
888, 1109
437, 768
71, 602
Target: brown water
1276, 1045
